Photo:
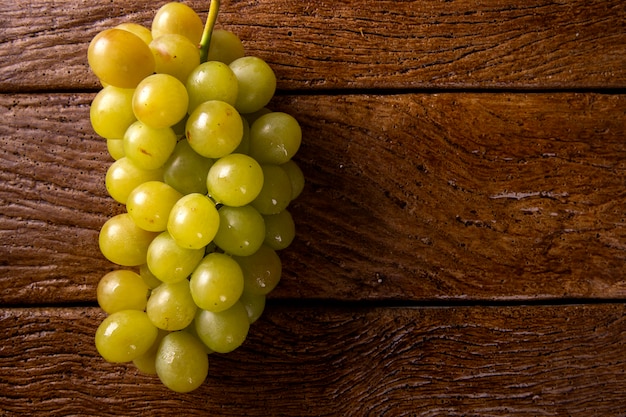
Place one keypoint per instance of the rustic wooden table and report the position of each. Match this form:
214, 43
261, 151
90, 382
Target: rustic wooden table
461, 243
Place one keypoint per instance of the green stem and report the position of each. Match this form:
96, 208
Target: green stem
208, 30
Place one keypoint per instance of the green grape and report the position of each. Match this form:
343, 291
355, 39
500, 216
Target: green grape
120, 58
181, 362
146, 363
211, 80
122, 289
235, 180
170, 262
175, 17
176, 55
251, 117
179, 128
223, 331
216, 283
123, 176
275, 138
124, 243
295, 176
115, 147
111, 112
147, 147
170, 306
186, 170
257, 83
244, 145
125, 335
225, 46
210, 248
254, 304
275, 195
261, 270
214, 129
241, 231
148, 277
150, 203
141, 31
191, 329
193, 221
160, 100
280, 230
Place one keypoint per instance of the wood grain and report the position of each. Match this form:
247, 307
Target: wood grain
354, 44
465, 155
496, 361
409, 197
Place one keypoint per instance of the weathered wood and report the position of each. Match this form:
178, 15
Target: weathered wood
350, 44
498, 361
409, 197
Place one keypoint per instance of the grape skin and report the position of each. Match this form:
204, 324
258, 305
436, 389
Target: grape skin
120, 58
216, 283
122, 289
280, 230
257, 83
211, 80
186, 170
193, 221
160, 101
175, 54
241, 231
181, 362
170, 306
177, 18
214, 129
125, 335
223, 331
124, 243
111, 112
235, 180
141, 31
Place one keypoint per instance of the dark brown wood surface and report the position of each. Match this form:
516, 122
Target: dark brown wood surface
408, 197
461, 244
536, 44
511, 361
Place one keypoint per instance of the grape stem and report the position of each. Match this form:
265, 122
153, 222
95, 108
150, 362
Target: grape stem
208, 30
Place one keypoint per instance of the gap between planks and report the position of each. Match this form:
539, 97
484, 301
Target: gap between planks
372, 304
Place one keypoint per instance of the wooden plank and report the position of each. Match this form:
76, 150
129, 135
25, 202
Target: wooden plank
353, 44
408, 197
52, 197
496, 196
496, 361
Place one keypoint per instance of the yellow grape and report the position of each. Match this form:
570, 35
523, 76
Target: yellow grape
193, 221
123, 176
115, 147
175, 17
160, 101
122, 289
181, 362
150, 203
125, 335
175, 55
111, 112
139, 30
124, 243
225, 46
120, 58
148, 147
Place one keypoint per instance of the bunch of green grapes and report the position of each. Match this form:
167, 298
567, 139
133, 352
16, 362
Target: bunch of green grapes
206, 174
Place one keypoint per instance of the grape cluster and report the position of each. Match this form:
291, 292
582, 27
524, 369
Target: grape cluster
206, 174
